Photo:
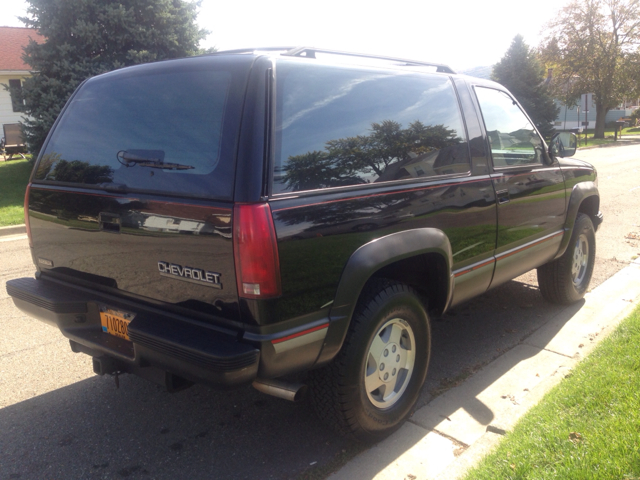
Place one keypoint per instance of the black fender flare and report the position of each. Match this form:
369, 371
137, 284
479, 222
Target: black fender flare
363, 264
580, 192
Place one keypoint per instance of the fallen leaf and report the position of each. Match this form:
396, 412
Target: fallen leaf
512, 398
581, 345
513, 466
575, 437
411, 477
458, 451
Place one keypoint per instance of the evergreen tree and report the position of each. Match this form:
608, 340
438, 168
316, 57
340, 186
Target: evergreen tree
523, 74
84, 38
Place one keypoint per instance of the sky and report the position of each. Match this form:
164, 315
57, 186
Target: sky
460, 33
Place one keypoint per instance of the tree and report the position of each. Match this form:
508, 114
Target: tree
344, 159
593, 48
521, 71
84, 38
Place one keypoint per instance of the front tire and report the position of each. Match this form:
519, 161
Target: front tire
372, 385
566, 279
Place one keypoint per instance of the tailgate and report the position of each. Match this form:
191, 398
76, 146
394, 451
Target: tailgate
133, 189
178, 253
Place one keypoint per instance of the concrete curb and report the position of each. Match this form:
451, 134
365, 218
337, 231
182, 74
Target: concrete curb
13, 230
446, 437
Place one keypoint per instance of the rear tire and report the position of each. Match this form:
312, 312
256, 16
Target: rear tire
372, 385
566, 279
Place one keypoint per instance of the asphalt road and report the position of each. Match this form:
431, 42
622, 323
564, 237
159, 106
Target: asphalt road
59, 420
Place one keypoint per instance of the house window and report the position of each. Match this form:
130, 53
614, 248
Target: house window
15, 89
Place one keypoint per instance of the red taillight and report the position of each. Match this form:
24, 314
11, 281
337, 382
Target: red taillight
256, 251
26, 213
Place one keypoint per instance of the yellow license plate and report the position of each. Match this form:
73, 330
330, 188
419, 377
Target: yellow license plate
115, 322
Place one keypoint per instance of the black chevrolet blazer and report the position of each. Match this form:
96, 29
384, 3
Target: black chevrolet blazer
238, 217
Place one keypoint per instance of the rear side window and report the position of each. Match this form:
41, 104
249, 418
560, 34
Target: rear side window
338, 126
161, 128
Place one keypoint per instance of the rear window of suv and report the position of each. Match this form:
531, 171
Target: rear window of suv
169, 127
339, 126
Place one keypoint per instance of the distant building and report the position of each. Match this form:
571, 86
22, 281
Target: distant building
13, 70
574, 117
583, 115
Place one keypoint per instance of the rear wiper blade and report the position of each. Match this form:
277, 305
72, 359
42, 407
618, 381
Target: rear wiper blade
167, 166
133, 157
148, 158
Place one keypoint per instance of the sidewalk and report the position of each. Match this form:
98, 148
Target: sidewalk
438, 444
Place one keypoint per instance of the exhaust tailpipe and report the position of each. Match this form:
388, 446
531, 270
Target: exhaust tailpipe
289, 391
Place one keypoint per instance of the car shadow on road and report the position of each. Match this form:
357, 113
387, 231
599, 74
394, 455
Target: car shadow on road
484, 329
93, 429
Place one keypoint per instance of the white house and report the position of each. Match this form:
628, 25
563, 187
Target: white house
13, 70
584, 115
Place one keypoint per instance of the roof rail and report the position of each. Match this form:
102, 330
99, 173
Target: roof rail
310, 52
251, 50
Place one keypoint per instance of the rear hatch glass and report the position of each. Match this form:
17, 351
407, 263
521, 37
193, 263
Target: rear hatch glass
169, 127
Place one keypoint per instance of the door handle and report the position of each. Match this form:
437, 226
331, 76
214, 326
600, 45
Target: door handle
503, 196
109, 222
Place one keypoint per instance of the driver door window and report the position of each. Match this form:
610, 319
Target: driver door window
513, 140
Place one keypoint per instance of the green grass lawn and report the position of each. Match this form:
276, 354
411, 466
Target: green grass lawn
587, 427
608, 134
14, 176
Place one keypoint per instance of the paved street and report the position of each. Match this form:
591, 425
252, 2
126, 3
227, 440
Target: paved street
58, 420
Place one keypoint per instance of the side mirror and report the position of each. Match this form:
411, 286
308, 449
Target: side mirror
563, 144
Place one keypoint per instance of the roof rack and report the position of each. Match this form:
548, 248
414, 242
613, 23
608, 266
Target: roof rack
310, 52
251, 50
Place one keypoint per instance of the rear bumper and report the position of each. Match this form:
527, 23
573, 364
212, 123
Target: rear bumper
191, 350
